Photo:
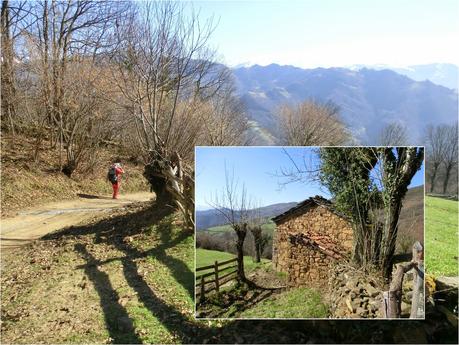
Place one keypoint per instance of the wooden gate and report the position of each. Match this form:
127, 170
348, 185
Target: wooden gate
214, 276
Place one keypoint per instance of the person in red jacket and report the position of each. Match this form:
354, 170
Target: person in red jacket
114, 176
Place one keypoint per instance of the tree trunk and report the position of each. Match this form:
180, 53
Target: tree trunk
390, 236
258, 251
433, 177
172, 185
447, 175
358, 251
153, 172
241, 232
7, 75
376, 244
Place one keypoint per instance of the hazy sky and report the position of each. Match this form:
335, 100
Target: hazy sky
326, 33
259, 170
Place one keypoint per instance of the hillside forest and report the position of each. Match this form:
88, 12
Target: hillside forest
82, 76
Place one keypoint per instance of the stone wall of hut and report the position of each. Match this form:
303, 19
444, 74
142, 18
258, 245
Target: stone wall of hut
308, 266
306, 263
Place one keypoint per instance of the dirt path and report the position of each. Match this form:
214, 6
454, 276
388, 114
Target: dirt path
37, 222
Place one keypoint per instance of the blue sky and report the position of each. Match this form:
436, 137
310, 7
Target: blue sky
259, 170
326, 33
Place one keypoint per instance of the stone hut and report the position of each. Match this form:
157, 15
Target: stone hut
308, 238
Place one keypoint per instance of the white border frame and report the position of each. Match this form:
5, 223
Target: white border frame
306, 319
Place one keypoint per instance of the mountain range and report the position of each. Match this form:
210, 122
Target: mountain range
209, 218
369, 99
444, 74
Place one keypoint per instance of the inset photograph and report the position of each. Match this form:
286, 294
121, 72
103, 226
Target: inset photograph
309, 232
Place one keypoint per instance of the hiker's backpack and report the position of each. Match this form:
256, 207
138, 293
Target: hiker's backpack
112, 175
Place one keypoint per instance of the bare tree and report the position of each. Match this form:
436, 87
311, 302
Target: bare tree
394, 134
450, 153
435, 148
89, 118
232, 203
64, 33
225, 123
312, 123
255, 223
164, 74
14, 20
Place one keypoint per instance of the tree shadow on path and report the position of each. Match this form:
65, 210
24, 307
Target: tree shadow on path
112, 310
113, 230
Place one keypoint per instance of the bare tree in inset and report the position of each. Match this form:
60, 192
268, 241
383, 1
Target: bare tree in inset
435, 148
394, 134
312, 123
450, 153
232, 203
255, 227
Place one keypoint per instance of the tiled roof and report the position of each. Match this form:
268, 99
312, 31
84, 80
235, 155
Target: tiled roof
315, 200
322, 243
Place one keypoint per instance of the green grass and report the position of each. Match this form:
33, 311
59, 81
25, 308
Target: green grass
268, 228
219, 228
296, 303
205, 257
441, 236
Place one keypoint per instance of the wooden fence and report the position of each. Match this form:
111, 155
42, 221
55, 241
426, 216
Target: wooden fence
392, 299
222, 272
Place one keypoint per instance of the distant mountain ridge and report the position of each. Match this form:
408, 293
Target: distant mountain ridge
209, 218
369, 99
444, 74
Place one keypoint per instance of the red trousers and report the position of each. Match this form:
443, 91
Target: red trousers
116, 188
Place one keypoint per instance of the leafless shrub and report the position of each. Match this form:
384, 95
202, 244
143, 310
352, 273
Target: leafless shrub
311, 123
394, 134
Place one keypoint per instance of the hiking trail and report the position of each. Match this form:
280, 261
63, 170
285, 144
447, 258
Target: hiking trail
33, 223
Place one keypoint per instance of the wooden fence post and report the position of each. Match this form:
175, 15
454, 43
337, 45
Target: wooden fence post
395, 290
418, 280
201, 296
385, 304
217, 285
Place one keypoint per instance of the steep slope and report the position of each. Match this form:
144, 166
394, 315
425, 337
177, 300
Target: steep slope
369, 99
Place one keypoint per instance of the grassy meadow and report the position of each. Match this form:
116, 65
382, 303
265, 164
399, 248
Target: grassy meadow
441, 235
268, 228
295, 303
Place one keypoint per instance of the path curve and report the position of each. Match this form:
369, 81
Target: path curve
38, 221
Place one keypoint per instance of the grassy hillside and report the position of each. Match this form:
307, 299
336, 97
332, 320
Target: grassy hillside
268, 228
441, 236
26, 182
